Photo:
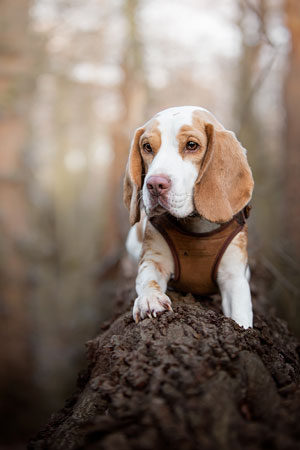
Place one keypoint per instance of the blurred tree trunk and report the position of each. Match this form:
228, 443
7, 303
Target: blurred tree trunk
288, 295
292, 151
16, 86
250, 131
133, 98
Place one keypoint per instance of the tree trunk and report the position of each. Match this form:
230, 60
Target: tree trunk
292, 158
191, 379
17, 83
287, 294
133, 99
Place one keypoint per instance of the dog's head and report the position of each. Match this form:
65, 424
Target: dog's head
184, 161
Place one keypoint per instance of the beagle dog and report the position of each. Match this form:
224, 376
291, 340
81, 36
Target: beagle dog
187, 186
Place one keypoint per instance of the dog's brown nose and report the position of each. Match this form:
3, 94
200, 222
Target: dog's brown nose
158, 184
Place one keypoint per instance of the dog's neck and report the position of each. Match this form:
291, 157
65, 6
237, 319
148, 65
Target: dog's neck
195, 224
192, 223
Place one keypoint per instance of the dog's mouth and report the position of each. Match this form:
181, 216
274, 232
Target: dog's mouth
162, 204
157, 210
159, 207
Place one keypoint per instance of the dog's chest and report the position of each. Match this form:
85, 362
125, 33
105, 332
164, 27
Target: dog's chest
196, 255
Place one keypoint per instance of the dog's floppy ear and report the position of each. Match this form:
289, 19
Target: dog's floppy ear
133, 179
224, 184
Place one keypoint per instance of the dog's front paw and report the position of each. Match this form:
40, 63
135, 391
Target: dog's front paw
150, 305
245, 320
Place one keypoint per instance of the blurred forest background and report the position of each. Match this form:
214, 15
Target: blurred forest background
76, 78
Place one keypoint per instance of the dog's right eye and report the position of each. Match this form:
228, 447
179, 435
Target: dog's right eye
192, 146
147, 147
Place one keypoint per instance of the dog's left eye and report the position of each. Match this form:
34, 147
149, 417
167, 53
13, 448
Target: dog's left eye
147, 147
191, 146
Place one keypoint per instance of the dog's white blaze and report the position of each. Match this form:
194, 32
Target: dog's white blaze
168, 161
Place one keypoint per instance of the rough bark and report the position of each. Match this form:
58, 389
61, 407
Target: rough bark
191, 379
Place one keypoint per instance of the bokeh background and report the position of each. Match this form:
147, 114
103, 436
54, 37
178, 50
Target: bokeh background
76, 79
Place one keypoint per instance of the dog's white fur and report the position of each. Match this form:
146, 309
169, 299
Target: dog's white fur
168, 161
151, 283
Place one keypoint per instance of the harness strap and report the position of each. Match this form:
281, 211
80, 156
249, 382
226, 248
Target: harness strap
197, 246
222, 251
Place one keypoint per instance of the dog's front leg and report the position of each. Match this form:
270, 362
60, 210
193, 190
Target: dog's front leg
236, 300
233, 281
155, 268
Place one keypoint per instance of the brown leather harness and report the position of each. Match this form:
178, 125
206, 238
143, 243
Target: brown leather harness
197, 255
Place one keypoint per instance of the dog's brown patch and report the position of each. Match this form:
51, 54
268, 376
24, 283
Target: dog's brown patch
151, 135
196, 133
133, 179
148, 233
224, 184
154, 285
190, 133
241, 241
139, 231
202, 118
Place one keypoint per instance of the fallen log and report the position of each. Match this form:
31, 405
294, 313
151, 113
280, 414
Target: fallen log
191, 379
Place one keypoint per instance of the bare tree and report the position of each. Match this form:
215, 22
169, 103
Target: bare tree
292, 153
17, 76
133, 99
